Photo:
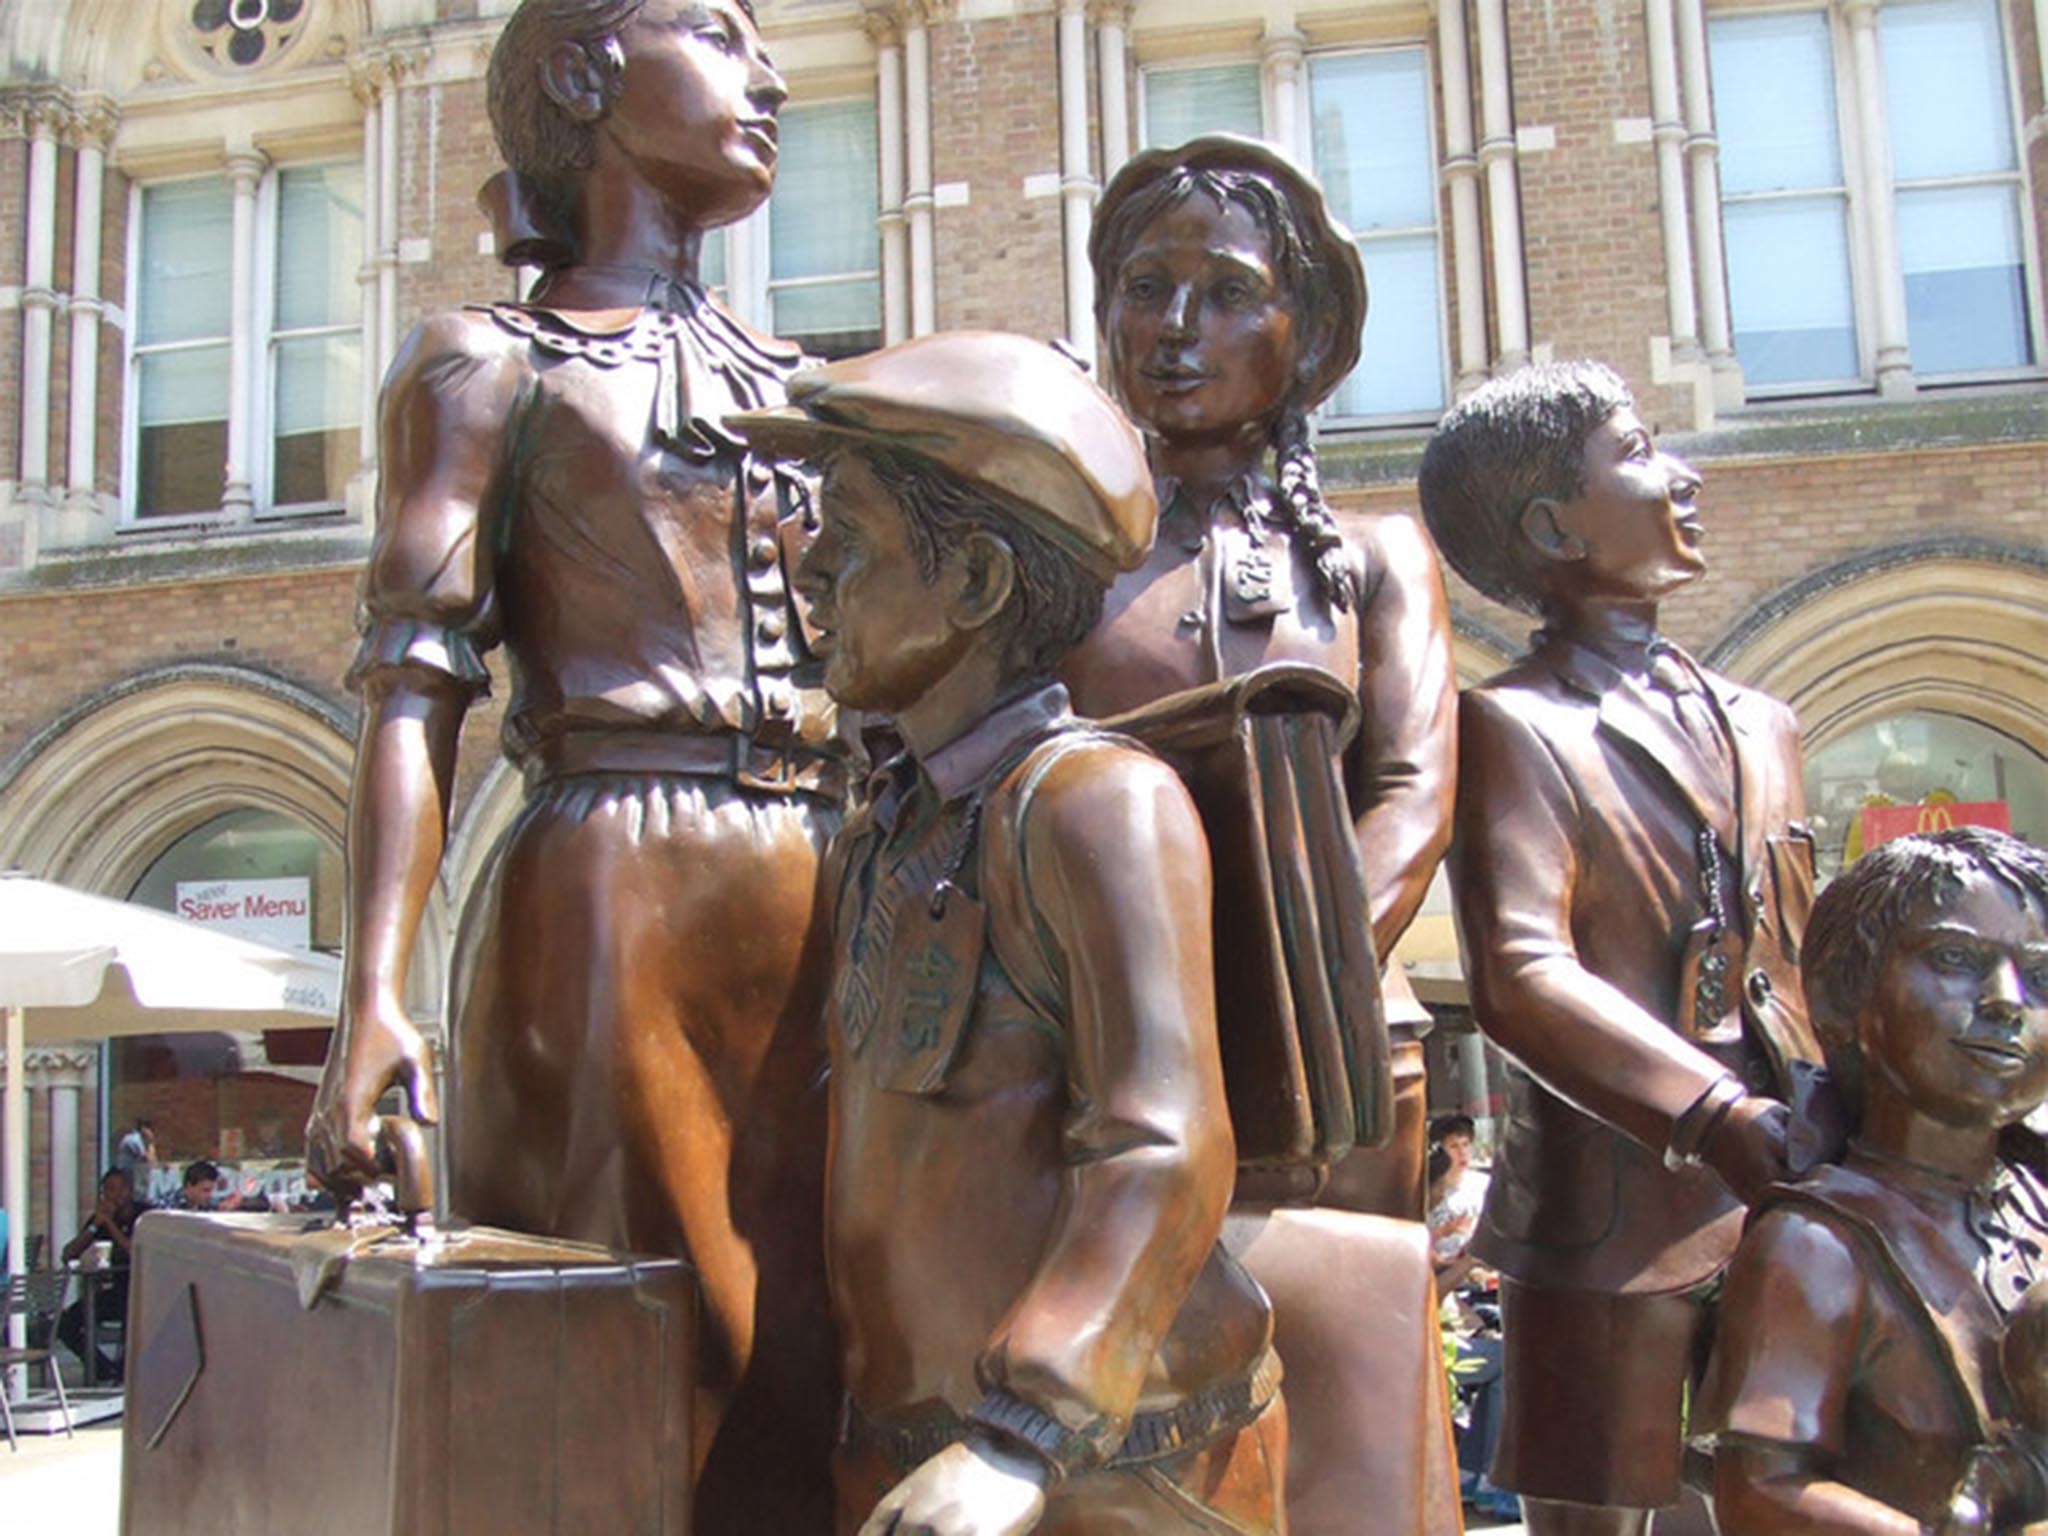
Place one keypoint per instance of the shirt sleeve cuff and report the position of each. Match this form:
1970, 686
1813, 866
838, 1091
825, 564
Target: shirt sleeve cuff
420, 643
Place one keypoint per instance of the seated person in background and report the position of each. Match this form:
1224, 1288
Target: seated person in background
1457, 1195
1475, 1346
113, 1221
201, 1189
1858, 1373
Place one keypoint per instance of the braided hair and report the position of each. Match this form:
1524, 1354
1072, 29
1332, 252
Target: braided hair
1304, 278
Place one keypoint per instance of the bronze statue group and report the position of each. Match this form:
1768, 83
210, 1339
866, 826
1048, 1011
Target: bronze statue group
963, 806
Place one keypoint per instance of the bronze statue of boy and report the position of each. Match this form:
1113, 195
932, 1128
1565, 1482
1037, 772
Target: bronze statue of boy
1031, 1154
633, 1026
1631, 884
1879, 1365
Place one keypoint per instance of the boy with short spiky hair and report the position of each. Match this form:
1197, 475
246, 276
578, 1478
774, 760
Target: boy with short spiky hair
1630, 886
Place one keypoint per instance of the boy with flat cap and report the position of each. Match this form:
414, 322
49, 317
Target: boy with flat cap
1631, 885
1030, 1150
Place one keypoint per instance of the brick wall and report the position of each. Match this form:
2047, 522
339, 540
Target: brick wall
995, 120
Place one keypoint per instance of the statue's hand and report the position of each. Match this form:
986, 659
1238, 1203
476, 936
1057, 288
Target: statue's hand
974, 1487
376, 1046
1747, 1149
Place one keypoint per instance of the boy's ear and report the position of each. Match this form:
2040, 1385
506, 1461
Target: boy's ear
578, 81
979, 578
1542, 524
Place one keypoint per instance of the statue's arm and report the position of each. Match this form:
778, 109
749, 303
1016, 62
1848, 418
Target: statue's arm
1775, 1404
426, 616
1401, 770
1117, 868
1516, 871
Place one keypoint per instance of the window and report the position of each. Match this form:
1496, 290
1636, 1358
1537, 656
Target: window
180, 356
1371, 124
818, 238
1183, 104
824, 261
1784, 199
1799, 240
303, 422
315, 343
1921, 759
1373, 154
1956, 179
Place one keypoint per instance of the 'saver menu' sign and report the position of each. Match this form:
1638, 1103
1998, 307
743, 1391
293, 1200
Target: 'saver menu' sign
278, 912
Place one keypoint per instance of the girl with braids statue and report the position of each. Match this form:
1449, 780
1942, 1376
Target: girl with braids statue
1231, 305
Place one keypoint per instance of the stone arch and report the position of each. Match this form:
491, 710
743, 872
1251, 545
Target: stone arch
97, 796
1953, 626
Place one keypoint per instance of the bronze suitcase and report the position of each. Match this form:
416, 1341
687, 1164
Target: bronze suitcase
286, 1376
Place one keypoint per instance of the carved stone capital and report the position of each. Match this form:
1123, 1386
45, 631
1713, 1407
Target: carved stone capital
92, 122
883, 26
245, 170
45, 115
1111, 13
60, 1066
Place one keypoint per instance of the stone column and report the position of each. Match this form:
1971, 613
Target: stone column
1077, 184
887, 35
44, 119
917, 195
363, 79
66, 1072
1894, 367
91, 130
245, 174
1112, 82
1283, 54
1503, 189
1668, 131
1461, 175
1703, 166
387, 217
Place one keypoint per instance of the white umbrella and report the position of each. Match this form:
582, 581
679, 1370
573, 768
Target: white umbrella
74, 966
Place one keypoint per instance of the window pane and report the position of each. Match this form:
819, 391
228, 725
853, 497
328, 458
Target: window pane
1774, 102
1915, 759
319, 245
1945, 89
182, 291
831, 319
1183, 104
319, 382
1372, 147
1788, 285
1966, 305
181, 436
1402, 371
822, 217
711, 261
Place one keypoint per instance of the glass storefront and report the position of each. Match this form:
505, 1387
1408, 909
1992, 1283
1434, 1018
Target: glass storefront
1927, 760
237, 1097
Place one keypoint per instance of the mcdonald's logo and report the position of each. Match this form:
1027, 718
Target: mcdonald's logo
1882, 823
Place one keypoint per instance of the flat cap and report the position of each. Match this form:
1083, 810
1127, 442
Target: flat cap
1330, 247
1006, 414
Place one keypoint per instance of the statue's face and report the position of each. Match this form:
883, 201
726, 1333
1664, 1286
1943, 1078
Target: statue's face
1957, 1022
695, 114
884, 630
1634, 530
1202, 339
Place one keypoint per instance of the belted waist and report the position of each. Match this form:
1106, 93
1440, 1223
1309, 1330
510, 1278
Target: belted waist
911, 1436
746, 762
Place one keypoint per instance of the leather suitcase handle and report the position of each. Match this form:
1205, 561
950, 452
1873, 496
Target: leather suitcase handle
402, 1153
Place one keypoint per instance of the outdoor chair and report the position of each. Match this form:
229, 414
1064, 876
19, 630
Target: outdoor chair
38, 1299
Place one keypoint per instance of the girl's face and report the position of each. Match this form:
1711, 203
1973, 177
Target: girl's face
1203, 339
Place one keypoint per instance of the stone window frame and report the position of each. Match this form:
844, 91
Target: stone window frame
252, 177
1876, 274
